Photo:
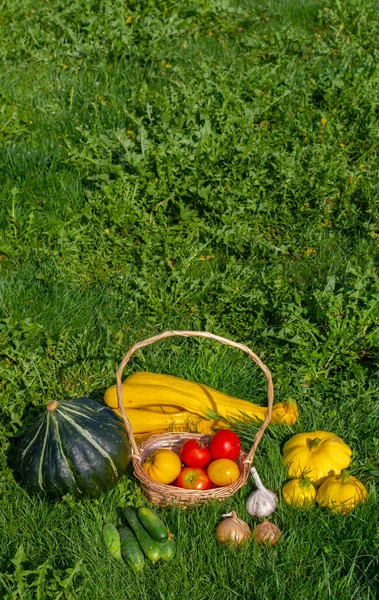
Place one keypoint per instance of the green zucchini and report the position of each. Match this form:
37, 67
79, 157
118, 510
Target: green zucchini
168, 548
112, 541
130, 548
150, 547
153, 525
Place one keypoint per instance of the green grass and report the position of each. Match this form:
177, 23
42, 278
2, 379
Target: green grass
208, 166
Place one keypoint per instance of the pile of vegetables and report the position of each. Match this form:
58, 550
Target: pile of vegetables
235, 531
141, 535
81, 447
155, 403
203, 467
261, 503
319, 459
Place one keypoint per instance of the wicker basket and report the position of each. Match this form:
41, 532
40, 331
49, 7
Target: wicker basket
158, 493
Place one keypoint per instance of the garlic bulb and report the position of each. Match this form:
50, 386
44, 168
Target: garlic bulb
266, 533
262, 502
232, 529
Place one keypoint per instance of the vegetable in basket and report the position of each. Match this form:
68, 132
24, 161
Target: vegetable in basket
162, 465
193, 478
143, 389
195, 453
158, 421
225, 444
223, 472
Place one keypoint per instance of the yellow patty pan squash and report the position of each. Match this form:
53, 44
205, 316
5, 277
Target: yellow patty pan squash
299, 492
316, 454
341, 493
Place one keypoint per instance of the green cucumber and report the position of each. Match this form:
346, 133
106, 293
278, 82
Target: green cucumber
168, 548
130, 548
150, 547
153, 525
112, 541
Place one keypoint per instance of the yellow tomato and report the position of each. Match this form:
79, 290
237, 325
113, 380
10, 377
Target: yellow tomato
223, 471
162, 465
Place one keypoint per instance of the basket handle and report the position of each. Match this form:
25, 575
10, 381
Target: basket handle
205, 334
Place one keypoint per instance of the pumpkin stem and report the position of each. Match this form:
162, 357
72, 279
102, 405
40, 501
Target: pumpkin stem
305, 483
345, 476
52, 405
313, 443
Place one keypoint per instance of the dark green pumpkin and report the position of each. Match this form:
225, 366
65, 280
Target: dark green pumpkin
77, 446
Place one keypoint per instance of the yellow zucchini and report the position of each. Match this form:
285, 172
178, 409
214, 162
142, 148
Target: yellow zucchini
144, 421
144, 396
143, 390
208, 398
148, 420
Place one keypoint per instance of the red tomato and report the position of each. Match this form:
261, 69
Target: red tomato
195, 454
193, 479
225, 444
223, 472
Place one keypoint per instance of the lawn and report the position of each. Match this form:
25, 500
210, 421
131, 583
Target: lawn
207, 166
